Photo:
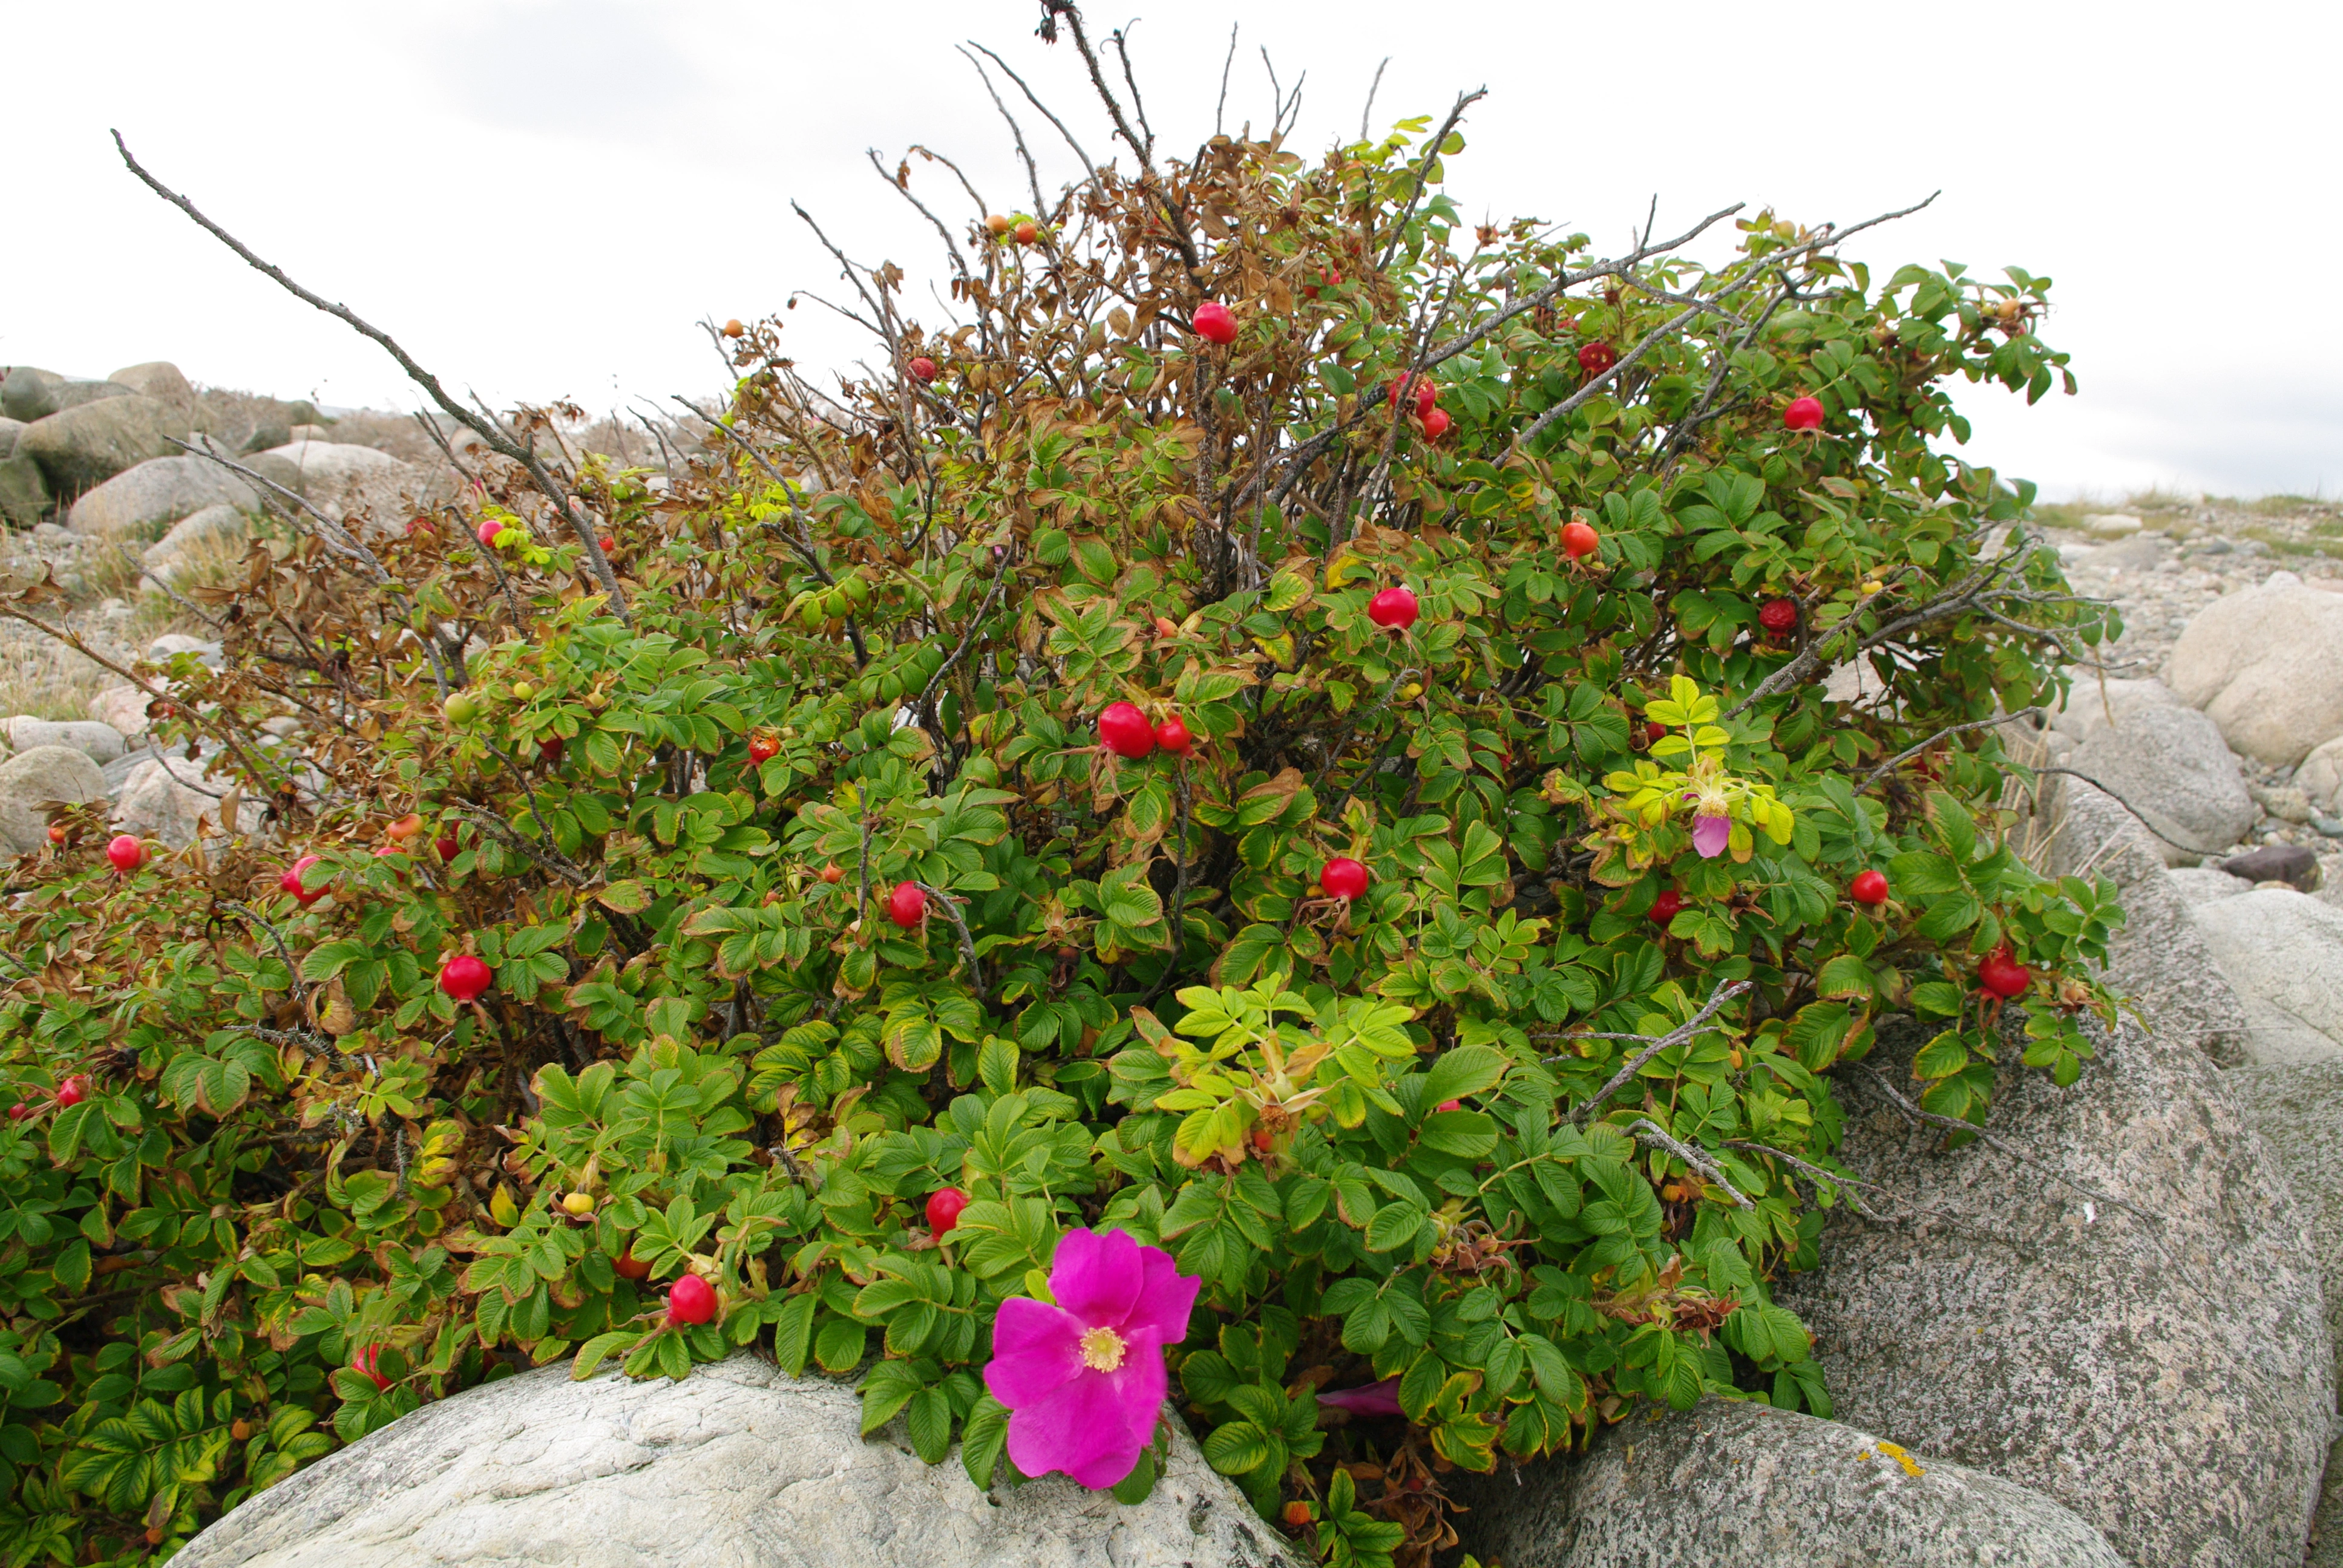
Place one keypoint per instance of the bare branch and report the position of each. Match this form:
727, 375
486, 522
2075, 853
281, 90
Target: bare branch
1089, 169
1950, 729
1424, 172
1647, 1130
1675, 1036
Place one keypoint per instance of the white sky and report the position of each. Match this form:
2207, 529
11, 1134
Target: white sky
539, 198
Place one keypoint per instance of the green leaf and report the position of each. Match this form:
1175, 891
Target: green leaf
982, 1437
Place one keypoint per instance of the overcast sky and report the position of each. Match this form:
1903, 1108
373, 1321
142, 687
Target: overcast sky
540, 197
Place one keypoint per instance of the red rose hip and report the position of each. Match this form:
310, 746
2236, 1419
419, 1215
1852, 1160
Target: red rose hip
447, 846
764, 748
1579, 538
1666, 907
944, 1206
629, 1267
1425, 393
73, 1091
691, 1300
1802, 414
1342, 877
487, 534
2002, 975
291, 882
1216, 323
1778, 615
1124, 731
1435, 424
125, 852
1868, 888
923, 369
1172, 736
465, 977
1394, 608
906, 906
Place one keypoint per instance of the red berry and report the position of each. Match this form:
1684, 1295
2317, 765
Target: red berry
447, 846
1342, 877
1172, 736
1868, 888
906, 905
922, 369
18, 1112
630, 1267
368, 1365
832, 874
1028, 231
944, 1207
1666, 907
605, 543
1451, 1105
764, 748
1124, 731
1425, 393
1435, 424
464, 977
1579, 538
2003, 975
550, 748
487, 533
292, 883
382, 850
1778, 615
1331, 278
1297, 1515
1214, 323
1394, 608
73, 1091
126, 853
1594, 358
418, 526
1263, 1139
1652, 733
1802, 414
691, 1300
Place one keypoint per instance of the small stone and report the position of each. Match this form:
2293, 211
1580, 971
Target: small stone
2283, 802
168, 645
122, 707
41, 774
2320, 776
2111, 525
2294, 864
100, 742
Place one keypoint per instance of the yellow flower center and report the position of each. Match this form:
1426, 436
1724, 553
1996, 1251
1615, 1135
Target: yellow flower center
1102, 1349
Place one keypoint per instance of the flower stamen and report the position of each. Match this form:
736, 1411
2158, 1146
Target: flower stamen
1102, 1349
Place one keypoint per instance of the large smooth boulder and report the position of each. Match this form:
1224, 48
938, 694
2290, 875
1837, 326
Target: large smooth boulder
1744, 1485
737, 1465
9, 430
41, 774
80, 448
25, 392
24, 488
2282, 951
2320, 776
165, 798
2170, 764
2094, 705
159, 379
340, 479
214, 534
99, 742
147, 499
2266, 665
2170, 1380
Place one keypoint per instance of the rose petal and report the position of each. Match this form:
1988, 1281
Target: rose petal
1165, 1298
1371, 1399
1036, 1351
1096, 1276
1710, 835
1080, 1429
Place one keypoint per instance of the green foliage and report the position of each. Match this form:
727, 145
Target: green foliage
1384, 1133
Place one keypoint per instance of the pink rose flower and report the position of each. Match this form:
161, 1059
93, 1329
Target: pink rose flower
1084, 1379
1710, 834
1370, 1399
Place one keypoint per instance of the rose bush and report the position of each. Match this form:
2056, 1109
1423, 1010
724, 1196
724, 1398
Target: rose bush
824, 950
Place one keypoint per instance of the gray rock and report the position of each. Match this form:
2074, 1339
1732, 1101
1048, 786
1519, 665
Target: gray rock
25, 392
171, 644
2201, 884
344, 480
1743, 1485
737, 1465
215, 532
2283, 952
99, 742
2171, 1382
159, 379
145, 502
2320, 776
122, 707
43, 773
9, 430
267, 436
74, 393
2294, 864
2299, 1108
2266, 665
80, 448
24, 488
168, 796
2327, 1526
2111, 525
2095, 704
2171, 766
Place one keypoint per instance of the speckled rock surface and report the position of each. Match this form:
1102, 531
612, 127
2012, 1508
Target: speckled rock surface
2282, 951
739, 1465
1730, 1485
2173, 1383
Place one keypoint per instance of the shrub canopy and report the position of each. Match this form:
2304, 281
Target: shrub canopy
1500, 1129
